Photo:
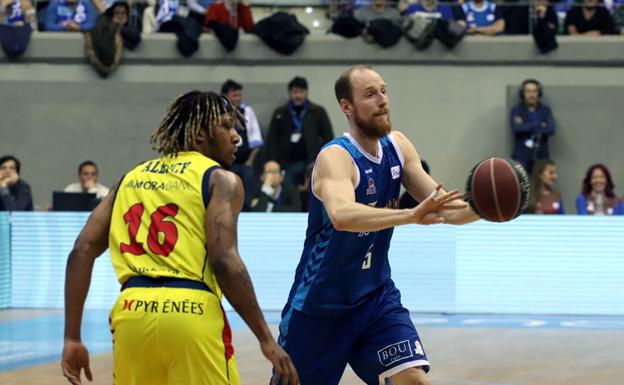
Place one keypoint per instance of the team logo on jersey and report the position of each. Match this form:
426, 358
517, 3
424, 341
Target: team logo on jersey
371, 190
395, 352
368, 171
395, 171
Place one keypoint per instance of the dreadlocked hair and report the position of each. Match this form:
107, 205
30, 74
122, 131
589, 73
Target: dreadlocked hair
189, 113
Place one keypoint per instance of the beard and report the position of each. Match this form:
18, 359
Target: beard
374, 127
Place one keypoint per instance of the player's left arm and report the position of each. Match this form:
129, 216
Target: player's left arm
420, 184
90, 244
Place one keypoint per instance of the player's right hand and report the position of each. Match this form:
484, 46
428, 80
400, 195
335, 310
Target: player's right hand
283, 367
75, 358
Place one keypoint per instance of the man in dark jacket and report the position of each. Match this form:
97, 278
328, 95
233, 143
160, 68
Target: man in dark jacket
532, 123
15, 194
275, 195
297, 132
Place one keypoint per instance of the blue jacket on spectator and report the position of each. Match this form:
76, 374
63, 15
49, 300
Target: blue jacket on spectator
531, 129
612, 205
59, 13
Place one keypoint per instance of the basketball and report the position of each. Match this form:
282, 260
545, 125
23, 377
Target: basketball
498, 189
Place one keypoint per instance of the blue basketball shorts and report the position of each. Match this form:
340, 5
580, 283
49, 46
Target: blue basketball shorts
377, 339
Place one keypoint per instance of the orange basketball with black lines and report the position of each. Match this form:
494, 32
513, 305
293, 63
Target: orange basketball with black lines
498, 189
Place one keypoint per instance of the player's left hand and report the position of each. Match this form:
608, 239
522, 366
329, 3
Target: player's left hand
283, 368
75, 358
428, 211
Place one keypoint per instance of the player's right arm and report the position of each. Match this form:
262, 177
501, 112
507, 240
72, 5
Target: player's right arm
226, 201
91, 243
334, 181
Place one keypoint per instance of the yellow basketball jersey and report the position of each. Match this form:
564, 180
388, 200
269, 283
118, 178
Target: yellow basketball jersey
157, 226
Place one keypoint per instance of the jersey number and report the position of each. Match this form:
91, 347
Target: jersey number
367, 260
158, 225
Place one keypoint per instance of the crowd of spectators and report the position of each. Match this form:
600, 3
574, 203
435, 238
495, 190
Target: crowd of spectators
276, 171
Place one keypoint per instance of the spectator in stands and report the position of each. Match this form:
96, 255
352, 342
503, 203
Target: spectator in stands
88, 176
198, 10
517, 18
433, 8
618, 16
597, 196
483, 18
251, 137
72, 15
16, 13
233, 12
297, 132
590, 19
378, 9
16, 17
544, 199
275, 195
532, 124
15, 194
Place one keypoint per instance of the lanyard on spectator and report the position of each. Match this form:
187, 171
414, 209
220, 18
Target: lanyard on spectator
298, 120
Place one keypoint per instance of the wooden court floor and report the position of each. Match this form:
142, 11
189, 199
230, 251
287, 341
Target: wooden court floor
459, 356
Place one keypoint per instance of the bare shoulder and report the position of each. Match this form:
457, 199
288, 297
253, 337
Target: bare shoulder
225, 183
333, 160
400, 138
226, 188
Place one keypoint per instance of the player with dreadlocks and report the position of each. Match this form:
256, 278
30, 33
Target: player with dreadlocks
171, 226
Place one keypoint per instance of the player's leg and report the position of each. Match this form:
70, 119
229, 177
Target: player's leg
136, 354
197, 339
388, 344
318, 346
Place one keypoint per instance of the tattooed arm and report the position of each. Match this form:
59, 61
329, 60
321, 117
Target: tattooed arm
226, 201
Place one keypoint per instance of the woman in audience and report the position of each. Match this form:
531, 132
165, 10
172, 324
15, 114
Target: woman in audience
597, 196
544, 199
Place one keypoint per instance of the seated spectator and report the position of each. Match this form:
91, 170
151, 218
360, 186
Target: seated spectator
618, 16
483, 18
250, 134
104, 43
16, 13
198, 9
233, 12
88, 176
378, 9
72, 15
15, 194
590, 19
544, 199
275, 195
432, 8
597, 196
517, 19
16, 17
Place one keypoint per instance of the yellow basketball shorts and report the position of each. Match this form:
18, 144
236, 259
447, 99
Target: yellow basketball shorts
173, 336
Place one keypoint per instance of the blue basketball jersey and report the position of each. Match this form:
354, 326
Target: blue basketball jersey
480, 17
338, 269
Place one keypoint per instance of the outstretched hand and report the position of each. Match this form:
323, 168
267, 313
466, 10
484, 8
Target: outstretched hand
75, 358
283, 367
428, 212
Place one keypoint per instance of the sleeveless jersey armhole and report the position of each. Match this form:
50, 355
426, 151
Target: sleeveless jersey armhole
357, 172
206, 185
